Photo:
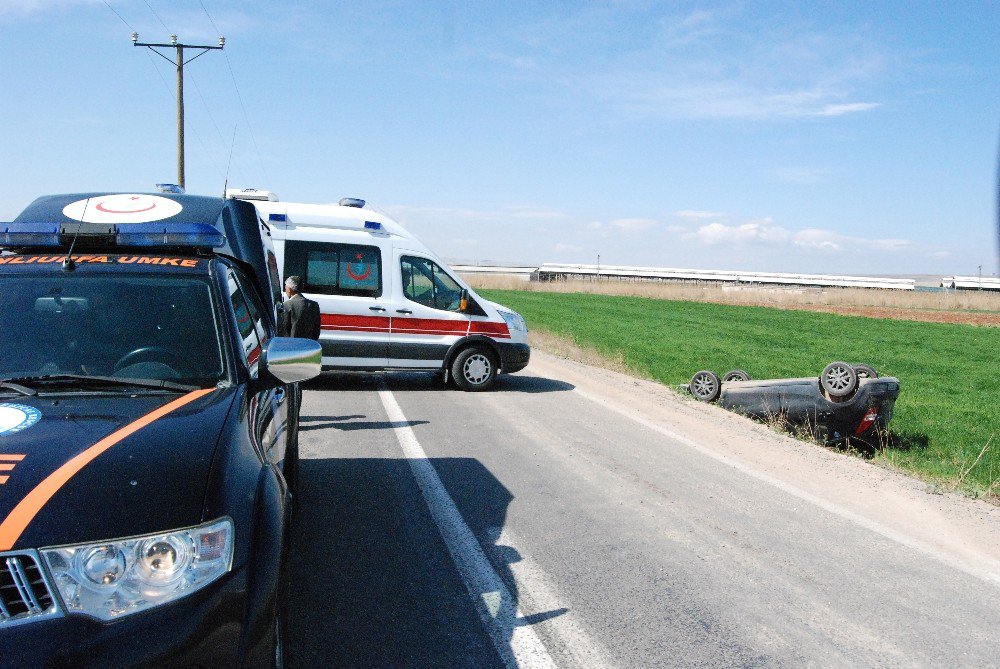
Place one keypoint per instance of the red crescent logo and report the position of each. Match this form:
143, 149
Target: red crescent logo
101, 207
359, 277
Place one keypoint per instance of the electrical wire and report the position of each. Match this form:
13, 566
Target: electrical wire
120, 17
239, 96
156, 15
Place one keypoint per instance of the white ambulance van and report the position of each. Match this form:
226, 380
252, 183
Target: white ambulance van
387, 301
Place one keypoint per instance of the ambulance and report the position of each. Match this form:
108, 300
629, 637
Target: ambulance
387, 301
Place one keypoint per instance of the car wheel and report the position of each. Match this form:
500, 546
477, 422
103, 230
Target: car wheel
865, 371
736, 375
705, 386
474, 369
839, 379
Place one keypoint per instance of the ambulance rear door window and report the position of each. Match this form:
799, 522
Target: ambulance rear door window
335, 269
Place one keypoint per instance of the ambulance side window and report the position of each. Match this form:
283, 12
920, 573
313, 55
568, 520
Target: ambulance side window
335, 269
426, 283
246, 326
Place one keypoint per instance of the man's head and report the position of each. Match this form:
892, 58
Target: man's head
293, 286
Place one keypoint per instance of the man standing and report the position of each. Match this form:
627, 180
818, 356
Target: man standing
301, 315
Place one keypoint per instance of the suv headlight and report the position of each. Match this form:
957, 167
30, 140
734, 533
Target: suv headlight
514, 320
111, 579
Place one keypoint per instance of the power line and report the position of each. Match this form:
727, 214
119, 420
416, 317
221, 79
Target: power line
156, 15
246, 117
210, 20
120, 17
239, 96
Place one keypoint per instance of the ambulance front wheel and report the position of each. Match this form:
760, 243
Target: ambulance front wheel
474, 369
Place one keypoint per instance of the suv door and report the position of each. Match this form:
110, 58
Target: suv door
268, 409
347, 282
425, 319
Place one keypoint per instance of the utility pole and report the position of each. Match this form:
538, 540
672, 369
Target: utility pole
179, 62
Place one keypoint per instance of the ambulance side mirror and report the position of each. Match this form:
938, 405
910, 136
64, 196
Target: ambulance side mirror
463, 301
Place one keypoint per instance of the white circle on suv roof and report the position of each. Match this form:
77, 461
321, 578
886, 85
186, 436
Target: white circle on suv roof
122, 208
17, 417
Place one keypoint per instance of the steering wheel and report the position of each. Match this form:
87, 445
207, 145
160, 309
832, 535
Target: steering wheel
154, 353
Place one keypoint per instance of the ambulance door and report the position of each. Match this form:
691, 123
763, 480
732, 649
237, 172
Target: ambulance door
425, 314
346, 279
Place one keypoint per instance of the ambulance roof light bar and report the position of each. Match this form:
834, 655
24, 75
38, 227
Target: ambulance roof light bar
170, 188
54, 235
251, 194
352, 202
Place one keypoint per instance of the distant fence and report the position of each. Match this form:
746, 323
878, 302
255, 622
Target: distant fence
557, 272
970, 283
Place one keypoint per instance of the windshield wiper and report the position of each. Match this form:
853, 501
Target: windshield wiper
84, 380
18, 388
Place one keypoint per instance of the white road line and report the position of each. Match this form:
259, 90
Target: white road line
992, 577
575, 645
517, 644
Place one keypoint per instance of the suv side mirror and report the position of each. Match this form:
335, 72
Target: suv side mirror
293, 359
463, 301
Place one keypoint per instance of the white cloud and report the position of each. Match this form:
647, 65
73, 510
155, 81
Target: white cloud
732, 62
595, 225
676, 229
763, 232
697, 215
633, 224
567, 248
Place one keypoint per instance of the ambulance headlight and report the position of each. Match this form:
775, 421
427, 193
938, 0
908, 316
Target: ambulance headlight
515, 322
111, 579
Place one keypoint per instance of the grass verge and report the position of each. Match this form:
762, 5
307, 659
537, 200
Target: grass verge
948, 410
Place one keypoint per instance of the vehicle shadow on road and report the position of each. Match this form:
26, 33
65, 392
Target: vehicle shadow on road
350, 424
374, 584
429, 381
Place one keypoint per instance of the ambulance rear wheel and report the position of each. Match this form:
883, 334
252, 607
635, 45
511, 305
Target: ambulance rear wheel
474, 369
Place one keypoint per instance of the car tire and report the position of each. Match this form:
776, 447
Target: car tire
839, 380
706, 386
474, 369
865, 371
736, 375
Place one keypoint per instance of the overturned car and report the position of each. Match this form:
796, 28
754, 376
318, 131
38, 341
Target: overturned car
845, 403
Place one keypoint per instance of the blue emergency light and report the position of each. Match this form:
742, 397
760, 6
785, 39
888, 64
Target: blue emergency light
373, 225
177, 234
278, 218
197, 235
29, 234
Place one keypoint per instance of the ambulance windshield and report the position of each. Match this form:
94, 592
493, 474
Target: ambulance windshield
129, 327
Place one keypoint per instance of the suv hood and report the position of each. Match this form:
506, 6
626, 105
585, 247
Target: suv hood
81, 468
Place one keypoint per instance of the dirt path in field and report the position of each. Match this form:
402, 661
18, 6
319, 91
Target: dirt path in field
901, 314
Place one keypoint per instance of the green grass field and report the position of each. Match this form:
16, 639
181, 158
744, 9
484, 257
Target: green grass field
949, 403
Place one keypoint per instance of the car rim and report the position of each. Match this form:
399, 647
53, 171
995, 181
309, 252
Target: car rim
477, 369
838, 378
704, 386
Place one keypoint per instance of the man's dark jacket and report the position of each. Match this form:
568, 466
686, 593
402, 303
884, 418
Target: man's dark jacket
301, 317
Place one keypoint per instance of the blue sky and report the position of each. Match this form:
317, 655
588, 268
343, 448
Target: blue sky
788, 136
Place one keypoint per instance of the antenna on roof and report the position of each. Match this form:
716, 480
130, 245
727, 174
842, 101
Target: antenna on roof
225, 185
68, 265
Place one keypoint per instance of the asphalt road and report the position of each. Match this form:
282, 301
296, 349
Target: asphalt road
536, 526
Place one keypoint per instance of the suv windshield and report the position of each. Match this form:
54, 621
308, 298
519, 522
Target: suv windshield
129, 327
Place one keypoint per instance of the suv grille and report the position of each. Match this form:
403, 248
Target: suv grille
24, 591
